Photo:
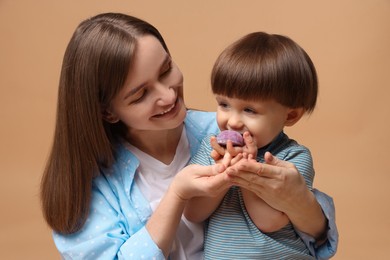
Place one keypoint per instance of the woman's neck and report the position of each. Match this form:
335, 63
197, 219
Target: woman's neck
161, 145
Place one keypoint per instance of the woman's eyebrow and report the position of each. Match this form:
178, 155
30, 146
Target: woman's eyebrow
136, 89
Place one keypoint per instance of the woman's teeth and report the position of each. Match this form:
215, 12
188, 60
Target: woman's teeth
166, 111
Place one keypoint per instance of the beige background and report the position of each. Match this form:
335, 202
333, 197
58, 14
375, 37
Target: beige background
348, 40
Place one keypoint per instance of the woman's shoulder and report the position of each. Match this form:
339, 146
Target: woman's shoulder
202, 121
198, 125
121, 172
200, 114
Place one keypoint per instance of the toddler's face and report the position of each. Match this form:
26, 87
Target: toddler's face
263, 119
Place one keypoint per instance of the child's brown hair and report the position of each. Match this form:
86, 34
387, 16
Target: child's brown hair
262, 66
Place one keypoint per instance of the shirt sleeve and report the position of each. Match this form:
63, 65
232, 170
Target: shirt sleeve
329, 247
301, 157
109, 233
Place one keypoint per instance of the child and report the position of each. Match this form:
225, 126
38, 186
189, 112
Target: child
262, 83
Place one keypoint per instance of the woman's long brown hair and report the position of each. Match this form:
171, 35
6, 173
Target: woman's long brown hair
95, 66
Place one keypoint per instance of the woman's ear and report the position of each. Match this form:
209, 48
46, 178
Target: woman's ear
110, 116
293, 116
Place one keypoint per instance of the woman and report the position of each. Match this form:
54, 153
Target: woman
115, 184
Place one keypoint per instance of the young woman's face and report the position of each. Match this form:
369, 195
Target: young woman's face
152, 98
263, 119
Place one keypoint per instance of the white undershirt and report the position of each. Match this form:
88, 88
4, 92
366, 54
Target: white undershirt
153, 178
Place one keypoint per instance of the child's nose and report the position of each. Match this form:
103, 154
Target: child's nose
235, 122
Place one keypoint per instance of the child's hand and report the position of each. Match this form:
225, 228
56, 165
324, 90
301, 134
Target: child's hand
218, 152
250, 147
229, 160
220, 155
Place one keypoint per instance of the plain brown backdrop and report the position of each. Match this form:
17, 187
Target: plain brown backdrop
348, 40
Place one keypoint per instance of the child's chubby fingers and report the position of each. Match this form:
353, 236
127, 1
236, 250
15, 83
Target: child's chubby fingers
250, 144
226, 160
233, 150
216, 147
236, 159
219, 151
215, 156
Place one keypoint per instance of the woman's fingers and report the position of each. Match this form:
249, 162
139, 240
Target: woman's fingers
278, 184
273, 167
199, 180
212, 184
253, 167
210, 170
272, 160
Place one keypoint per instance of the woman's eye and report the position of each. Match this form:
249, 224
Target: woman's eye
166, 70
138, 98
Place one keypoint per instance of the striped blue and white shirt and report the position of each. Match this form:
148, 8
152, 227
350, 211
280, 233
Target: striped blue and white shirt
231, 234
115, 228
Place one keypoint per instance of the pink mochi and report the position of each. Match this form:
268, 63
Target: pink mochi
231, 135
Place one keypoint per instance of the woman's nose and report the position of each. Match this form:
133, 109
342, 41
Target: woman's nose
165, 94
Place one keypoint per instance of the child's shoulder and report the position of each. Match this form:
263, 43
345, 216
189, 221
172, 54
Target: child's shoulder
287, 147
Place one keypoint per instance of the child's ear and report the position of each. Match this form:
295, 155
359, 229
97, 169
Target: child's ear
293, 116
110, 116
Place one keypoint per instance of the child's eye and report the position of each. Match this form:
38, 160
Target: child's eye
250, 111
223, 105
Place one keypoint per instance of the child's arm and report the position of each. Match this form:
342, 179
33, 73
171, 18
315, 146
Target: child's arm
266, 218
199, 209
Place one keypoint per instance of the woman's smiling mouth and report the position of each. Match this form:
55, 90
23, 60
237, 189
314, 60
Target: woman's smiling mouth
170, 111
166, 111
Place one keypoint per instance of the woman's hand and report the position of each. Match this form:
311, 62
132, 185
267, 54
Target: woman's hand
277, 182
197, 180
282, 187
191, 181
